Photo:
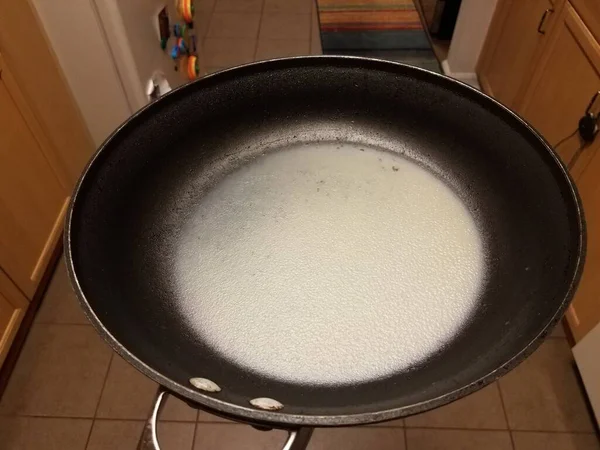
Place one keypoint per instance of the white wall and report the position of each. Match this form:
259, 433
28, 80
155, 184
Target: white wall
108, 50
469, 35
130, 26
81, 49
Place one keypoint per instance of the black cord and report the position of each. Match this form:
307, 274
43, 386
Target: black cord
563, 140
576, 155
577, 152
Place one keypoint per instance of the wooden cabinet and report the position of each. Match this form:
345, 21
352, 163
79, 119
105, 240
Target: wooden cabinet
589, 10
565, 80
32, 199
584, 312
552, 93
512, 46
43, 147
13, 306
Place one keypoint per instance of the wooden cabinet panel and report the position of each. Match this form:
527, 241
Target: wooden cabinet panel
511, 47
24, 47
589, 11
12, 309
32, 200
584, 312
566, 78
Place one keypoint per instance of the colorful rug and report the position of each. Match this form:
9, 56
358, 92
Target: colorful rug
388, 29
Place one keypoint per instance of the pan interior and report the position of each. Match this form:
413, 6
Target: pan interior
351, 264
182, 187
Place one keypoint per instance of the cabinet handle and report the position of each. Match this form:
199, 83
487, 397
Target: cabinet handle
543, 20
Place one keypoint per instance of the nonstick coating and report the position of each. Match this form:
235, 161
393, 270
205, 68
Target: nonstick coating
128, 209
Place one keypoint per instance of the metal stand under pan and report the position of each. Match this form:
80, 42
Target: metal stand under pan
298, 439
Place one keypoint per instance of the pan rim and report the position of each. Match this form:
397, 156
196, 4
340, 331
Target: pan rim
282, 419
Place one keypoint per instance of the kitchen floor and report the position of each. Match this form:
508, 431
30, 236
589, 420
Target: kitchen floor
70, 391
240, 31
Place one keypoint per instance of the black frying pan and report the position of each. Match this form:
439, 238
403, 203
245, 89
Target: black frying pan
166, 224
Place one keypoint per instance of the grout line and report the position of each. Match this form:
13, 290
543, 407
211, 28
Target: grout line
512, 441
112, 357
195, 431
498, 430
405, 438
260, 21
89, 436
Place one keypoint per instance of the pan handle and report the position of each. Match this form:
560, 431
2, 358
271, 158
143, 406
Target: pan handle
298, 439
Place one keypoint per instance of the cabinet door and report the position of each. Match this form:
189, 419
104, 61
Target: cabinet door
566, 78
32, 200
12, 309
512, 45
584, 312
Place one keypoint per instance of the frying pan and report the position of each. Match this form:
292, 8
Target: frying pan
324, 241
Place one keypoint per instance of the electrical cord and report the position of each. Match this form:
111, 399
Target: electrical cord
577, 152
563, 140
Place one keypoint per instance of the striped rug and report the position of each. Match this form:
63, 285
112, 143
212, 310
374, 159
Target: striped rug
389, 29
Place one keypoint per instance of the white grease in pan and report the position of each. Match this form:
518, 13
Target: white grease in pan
329, 264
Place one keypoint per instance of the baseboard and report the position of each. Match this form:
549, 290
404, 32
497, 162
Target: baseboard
466, 77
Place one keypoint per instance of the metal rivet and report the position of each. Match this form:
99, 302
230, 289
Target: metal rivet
266, 403
204, 384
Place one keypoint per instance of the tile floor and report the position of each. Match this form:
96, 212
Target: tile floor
241, 31
70, 391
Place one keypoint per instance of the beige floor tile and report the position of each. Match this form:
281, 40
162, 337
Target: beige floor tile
176, 410
176, 435
60, 372
35, 433
430, 439
543, 394
358, 439
228, 52
285, 26
482, 409
555, 441
278, 48
127, 393
60, 304
115, 435
290, 6
204, 416
228, 436
234, 25
559, 330
125, 435
239, 6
